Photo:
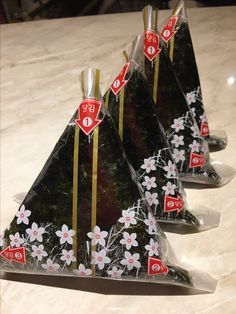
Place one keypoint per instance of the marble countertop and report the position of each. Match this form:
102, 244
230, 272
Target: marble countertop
40, 90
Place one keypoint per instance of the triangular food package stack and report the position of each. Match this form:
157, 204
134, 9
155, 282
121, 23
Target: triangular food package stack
84, 214
189, 149
133, 110
176, 34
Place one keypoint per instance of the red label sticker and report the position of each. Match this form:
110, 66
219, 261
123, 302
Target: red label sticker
14, 254
204, 129
88, 113
120, 80
156, 267
169, 30
172, 204
196, 160
151, 45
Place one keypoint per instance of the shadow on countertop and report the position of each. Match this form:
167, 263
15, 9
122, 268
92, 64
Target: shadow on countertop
101, 286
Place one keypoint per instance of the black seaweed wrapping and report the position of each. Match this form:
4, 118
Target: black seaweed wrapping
181, 129
125, 236
186, 69
144, 141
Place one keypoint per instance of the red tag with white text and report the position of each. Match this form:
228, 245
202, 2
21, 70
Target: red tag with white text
196, 160
14, 254
88, 113
173, 203
204, 129
156, 267
151, 45
169, 30
120, 80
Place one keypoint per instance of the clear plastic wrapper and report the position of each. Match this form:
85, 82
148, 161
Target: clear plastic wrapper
175, 32
189, 149
133, 111
85, 216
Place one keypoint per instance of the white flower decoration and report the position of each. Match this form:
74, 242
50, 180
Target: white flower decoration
178, 140
97, 236
194, 146
35, 232
68, 256
191, 98
129, 240
149, 165
23, 215
151, 223
152, 247
149, 182
151, 198
128, 218
82, 271
114, 272
131, 261
195, 129
38, 251
178, 125
170, 169
50, 266
178, 155
65, 234
16, 240
100, 258
169, 188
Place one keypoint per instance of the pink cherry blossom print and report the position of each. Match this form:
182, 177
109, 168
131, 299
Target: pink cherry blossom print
151, 198
65, 234
191, 97
170, 169
115, 272
35, 232
128, 218
151, 223
178, 140
98, 236
178, 155
169, 188
130, 260
16, 240
68, 257
22, 215
149, 182
178, 125
38, 252
100, 258
82, 271
50, 266
152, 248
149, 165
129, 240
194, 146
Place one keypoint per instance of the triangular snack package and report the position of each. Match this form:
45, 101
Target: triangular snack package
133, 110
84, 215
176, 34
189, 149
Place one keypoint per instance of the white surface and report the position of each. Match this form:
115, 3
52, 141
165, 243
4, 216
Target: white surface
40, 90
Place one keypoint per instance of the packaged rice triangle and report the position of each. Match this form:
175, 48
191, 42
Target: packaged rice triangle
133, 110
176, 34
84, 214
189, 149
